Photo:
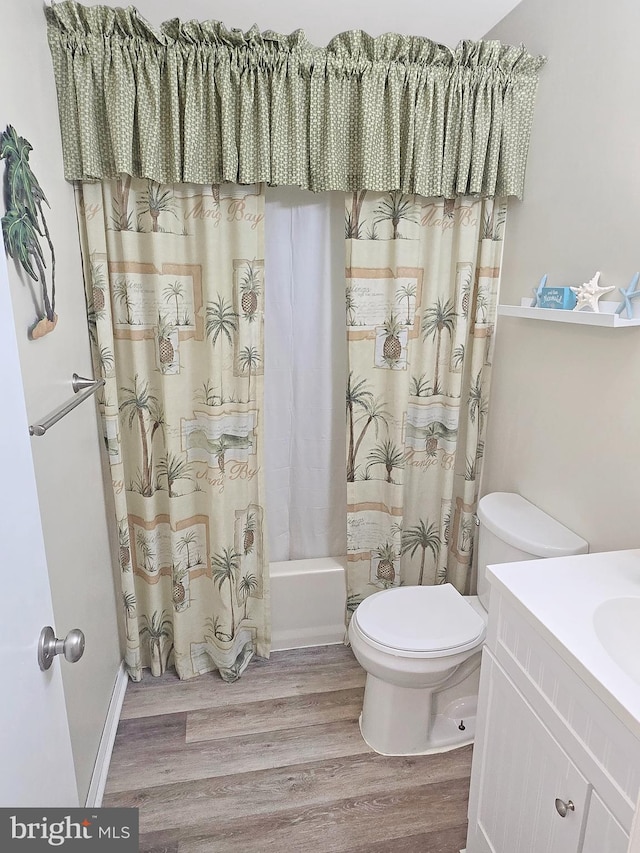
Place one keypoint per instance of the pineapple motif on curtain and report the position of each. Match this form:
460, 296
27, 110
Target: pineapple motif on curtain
174, 277
422, 282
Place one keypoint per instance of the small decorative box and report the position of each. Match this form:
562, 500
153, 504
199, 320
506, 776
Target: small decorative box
557, 297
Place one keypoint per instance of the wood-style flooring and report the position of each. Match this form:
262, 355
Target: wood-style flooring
275, 763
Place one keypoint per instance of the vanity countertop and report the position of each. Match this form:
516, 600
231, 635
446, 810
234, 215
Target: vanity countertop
559, 596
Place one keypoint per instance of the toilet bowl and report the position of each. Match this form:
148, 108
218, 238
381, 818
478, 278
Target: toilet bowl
408, 658
420, 645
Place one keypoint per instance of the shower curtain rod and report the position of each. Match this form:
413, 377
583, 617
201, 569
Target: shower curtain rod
83, 388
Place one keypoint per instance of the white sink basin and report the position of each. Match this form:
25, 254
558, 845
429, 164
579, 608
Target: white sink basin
617, 626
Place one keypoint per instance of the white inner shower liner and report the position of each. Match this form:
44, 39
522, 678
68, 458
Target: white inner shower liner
305, 375
305, 435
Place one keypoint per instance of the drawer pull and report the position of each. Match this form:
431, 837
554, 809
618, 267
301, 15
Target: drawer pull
562, 808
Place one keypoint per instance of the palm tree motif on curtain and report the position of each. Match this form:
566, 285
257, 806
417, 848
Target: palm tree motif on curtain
221, 321
482, 304
407, 291
248, 585
492, 222
122, 295
220, 447
146, 551
396, 208
388, 454
189, 538
353, 602
466, 529
174, 292
457, 357
446, 525
372, 233
121, 217
224, 565
249, 360
478, 409
357, 395
205, 394
106, 361
129, 607
423, 535
250, 289
437, 319
350, 305
144, 407
374, 413
352, 226
174, 469
157, 629
156, 201
419, 386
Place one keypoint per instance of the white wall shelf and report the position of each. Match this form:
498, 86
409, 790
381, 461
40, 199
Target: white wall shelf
606, 316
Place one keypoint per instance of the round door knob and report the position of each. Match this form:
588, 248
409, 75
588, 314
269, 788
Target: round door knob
72, 647
562, 808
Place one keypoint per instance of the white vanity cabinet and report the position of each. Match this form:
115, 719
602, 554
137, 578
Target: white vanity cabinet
603, 832
524, 770
554, 769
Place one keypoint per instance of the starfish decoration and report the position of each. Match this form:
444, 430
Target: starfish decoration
627, 295
537, 291
589, 293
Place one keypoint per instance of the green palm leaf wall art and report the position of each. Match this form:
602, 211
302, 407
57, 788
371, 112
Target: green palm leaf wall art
24, 224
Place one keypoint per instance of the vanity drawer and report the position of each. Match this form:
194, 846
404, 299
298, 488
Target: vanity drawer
597, 741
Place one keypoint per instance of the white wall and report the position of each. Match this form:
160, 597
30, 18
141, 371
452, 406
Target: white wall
68, 458
447, 22
565, 414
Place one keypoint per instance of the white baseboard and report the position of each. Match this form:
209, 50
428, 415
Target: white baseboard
103, 759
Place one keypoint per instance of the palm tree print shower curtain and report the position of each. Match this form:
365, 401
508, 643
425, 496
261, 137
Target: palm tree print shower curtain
174, 278
422, 283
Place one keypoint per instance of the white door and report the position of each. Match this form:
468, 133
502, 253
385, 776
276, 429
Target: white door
36, 763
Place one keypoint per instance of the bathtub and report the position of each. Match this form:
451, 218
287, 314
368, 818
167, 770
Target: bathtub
308, 599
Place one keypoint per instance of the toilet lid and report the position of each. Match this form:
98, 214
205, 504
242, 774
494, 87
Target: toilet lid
420, 619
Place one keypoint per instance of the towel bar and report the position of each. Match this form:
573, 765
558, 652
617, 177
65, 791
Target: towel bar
83, 389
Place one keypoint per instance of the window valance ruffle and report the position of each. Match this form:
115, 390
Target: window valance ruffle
195, 102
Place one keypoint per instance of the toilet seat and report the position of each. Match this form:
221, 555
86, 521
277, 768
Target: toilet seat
420, 621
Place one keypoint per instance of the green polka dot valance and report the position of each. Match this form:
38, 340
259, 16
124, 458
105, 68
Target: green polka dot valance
195, 102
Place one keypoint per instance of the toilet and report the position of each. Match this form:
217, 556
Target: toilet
420, 645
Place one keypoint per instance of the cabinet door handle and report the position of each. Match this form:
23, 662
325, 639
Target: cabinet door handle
562, 808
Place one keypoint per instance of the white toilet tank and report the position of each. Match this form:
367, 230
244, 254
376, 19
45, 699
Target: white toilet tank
513, 529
